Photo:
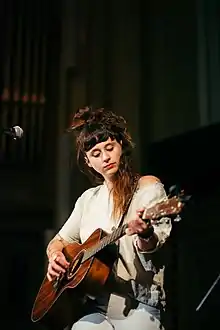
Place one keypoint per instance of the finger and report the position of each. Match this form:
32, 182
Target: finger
49, 277
129, 231
132, 231
140, 214
146, 222
138, 222
56, 267
140, 230
135, 229
139, 227
53, 273
141, 209
60, 258
134, 226
62, 261
143, 227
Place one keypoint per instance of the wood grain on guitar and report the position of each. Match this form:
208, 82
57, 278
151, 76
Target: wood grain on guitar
60, 303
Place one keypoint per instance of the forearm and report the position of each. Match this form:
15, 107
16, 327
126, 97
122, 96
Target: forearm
56, 244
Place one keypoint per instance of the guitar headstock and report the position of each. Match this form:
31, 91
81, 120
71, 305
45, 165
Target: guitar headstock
168, 207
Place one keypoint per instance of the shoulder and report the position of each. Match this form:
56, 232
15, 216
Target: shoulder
150, 190
148, 180
91, 192
152, 185
87, 196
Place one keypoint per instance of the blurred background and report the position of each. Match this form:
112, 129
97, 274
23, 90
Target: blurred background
156, 63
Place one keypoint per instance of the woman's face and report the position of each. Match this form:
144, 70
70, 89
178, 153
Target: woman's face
104, 158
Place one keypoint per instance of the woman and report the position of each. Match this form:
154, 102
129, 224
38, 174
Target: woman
104, 149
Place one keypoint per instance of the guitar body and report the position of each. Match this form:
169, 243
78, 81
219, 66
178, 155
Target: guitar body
61, 306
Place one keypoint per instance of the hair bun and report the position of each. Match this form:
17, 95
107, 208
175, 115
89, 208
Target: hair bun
80, 118
85, 116
96, 116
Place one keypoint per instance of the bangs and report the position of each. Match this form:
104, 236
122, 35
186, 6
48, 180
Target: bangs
98, 136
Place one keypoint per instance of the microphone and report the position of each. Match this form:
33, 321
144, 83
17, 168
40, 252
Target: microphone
16, 132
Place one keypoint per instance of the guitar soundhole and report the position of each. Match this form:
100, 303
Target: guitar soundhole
74, 266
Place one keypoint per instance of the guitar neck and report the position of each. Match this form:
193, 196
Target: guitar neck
105, 241
162, 209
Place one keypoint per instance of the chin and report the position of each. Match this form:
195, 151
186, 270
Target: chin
113, 172
114, 169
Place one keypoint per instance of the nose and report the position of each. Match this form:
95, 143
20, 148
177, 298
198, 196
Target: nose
105, 156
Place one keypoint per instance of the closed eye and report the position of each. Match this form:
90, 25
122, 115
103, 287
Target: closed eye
96, 154
109, 148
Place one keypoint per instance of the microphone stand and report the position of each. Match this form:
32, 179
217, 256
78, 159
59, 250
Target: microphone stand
208, 293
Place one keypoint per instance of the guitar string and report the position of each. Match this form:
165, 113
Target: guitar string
111, 238
119, 232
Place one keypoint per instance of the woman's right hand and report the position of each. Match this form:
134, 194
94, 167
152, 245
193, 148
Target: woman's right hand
57, 265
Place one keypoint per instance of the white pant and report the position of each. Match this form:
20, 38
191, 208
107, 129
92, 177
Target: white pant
140, 319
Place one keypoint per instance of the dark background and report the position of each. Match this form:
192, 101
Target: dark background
157, 64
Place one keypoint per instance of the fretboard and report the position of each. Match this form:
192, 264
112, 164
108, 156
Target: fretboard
107, 240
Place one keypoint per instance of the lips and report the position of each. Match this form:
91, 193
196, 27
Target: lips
109, 166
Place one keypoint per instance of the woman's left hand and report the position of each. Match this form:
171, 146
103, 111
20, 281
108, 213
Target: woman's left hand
137, 226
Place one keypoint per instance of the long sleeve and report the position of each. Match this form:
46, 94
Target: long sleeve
148, 197
70, 231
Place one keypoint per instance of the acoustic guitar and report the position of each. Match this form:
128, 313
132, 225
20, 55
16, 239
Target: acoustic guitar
60, 303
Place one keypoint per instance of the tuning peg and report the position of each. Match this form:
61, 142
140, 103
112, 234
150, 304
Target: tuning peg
174, 190
171, 189
184, 198
178, 218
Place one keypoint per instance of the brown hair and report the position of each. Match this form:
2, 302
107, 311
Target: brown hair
95, 126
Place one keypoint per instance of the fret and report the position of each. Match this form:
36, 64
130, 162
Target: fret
107, 240
112, 236
167, 207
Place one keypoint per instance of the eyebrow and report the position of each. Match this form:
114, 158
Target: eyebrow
97, 149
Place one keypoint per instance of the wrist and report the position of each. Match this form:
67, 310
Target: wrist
147, 244
147, 239
53, 250
51, 254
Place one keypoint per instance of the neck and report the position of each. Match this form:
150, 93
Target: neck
109, 184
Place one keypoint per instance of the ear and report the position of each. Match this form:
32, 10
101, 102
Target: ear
87, 161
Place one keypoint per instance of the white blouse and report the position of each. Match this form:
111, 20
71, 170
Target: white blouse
93, 210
